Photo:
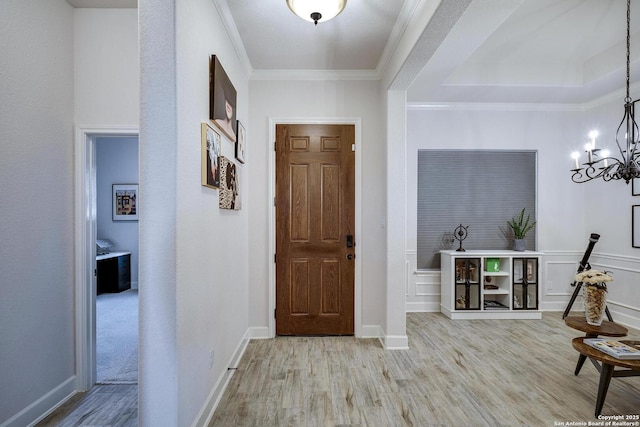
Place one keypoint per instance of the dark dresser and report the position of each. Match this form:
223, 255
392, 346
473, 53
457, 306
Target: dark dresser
114, 272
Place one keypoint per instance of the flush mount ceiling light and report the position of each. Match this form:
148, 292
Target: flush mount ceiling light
316, 10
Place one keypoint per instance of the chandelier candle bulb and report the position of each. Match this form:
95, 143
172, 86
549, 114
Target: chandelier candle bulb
575, 155
627, 166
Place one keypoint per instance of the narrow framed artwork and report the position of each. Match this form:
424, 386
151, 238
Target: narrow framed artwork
222, 99
635, 226
125, 202
635, 187
210, 156
229, 193
240, 143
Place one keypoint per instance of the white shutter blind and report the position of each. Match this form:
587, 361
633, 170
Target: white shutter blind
479, 188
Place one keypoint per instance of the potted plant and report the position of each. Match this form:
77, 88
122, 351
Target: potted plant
520, 226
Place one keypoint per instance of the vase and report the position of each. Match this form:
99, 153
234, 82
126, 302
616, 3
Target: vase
595, 303
519, 245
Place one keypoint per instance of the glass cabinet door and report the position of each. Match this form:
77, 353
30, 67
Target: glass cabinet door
525, 283
467, 275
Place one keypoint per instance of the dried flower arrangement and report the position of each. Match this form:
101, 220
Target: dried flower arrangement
595, 278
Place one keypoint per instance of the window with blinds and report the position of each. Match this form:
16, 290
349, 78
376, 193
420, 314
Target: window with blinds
482, 189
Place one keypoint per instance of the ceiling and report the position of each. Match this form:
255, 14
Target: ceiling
530, 51
276, 39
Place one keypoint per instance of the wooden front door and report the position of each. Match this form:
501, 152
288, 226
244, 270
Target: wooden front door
315, 242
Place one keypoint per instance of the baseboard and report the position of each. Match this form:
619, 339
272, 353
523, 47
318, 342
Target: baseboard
625, 319
44, 406
206, 413
371, 331
422, 307
259, 333
560, 306
395, 342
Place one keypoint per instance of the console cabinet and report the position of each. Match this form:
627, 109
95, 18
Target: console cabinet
479, 284
113, 272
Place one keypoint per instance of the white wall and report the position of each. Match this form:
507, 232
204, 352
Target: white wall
212, 246
116, 163
608, 212
107, 82
567, 212
553, 131
36, 172
157, 350
200, 276
315, 100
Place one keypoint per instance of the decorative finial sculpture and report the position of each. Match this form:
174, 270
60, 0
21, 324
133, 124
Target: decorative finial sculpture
460, 233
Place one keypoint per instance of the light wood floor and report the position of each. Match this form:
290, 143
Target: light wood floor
456, 373
103, 405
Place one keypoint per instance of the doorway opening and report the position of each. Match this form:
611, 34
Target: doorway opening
117, 264
92, 207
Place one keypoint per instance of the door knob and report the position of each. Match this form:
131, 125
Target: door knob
350, 256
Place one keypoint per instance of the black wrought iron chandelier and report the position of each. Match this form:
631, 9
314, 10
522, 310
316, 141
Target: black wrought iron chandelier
599, 164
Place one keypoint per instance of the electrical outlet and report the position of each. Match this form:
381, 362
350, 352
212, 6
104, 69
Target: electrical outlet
211, 358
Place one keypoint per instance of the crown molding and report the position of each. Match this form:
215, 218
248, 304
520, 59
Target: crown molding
314, 75
617, 95
491, 106
234, 35
407, 11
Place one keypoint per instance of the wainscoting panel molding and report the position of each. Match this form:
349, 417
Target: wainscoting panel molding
557, 274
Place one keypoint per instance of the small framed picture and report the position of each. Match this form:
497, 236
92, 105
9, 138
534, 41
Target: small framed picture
241, 143
125, 202
210, 156
229, 185
635, 226
635, 187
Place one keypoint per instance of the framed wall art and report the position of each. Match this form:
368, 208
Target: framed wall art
222, 98
210, 156
229, 188
635, 226
240, 143
125, 202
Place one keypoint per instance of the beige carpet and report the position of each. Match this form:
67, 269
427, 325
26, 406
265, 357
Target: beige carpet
117, 337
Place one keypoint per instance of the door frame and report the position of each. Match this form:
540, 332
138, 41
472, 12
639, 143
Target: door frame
357, 123
85, 246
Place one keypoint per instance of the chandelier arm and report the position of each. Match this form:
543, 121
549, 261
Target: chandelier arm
610, 168
634, 134
617, 133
